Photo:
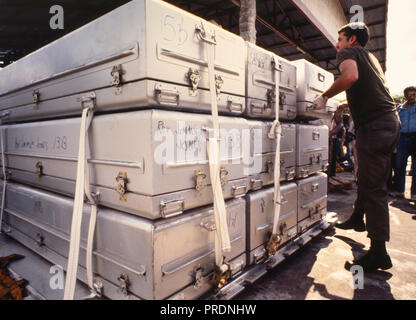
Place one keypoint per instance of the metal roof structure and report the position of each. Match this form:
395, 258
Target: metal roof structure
282, 27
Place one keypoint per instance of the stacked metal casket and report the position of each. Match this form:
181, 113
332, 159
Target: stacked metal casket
144, 71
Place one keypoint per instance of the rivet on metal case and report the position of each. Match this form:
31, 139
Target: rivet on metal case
121, 187
194, 77
39, 169
221, 275
124, 283
200, 182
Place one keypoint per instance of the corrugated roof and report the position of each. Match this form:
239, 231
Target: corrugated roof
281, 26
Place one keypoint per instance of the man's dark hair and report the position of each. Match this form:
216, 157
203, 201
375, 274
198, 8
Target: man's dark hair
358, 29
407, 90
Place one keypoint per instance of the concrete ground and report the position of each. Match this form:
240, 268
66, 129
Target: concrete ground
316, 272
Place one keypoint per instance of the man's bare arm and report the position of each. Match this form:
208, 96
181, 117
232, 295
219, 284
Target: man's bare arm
349, 75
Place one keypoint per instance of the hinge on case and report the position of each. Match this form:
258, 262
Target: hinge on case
200, 182
39, 169
218, 83
194, 78
121, 187
124, 283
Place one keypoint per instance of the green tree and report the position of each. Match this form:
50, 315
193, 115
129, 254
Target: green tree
399, 98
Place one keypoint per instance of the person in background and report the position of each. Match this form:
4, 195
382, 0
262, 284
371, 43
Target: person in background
336, 134
377, 132
407, 145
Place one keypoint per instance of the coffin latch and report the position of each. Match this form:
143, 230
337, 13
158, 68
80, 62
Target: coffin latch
121, 187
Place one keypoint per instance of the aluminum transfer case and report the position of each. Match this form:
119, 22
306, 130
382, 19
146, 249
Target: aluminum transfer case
150, 259
312, 200
144, 53
260, 215
312, 81
311, 149
261, 73
152, 163
287, 148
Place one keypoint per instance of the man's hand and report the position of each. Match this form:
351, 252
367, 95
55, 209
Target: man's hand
320, 102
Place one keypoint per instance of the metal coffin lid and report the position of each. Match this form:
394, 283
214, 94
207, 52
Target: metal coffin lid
260, 213
310, 190
288, 145
312, 144
141, 148
163, 45
158, 257
312, 80
287, 76
261, 69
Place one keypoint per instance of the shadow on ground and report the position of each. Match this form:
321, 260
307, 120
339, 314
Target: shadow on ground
404, 205
282, 283
375, 284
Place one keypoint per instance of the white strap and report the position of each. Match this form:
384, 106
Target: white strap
3, 163
73, 256
275, 133
91, 228
222, 239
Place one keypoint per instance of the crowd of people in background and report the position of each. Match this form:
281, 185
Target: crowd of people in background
343, 152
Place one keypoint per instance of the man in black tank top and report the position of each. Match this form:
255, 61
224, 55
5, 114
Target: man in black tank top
377, 131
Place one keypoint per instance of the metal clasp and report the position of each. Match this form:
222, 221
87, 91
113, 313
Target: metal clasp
273, 244
200, 182
223, 176
194, 78
218, 83
36, 96
40, 239
39, 169
221, 275
124, 283
121, 187
199, 278
271, 98
204, 36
